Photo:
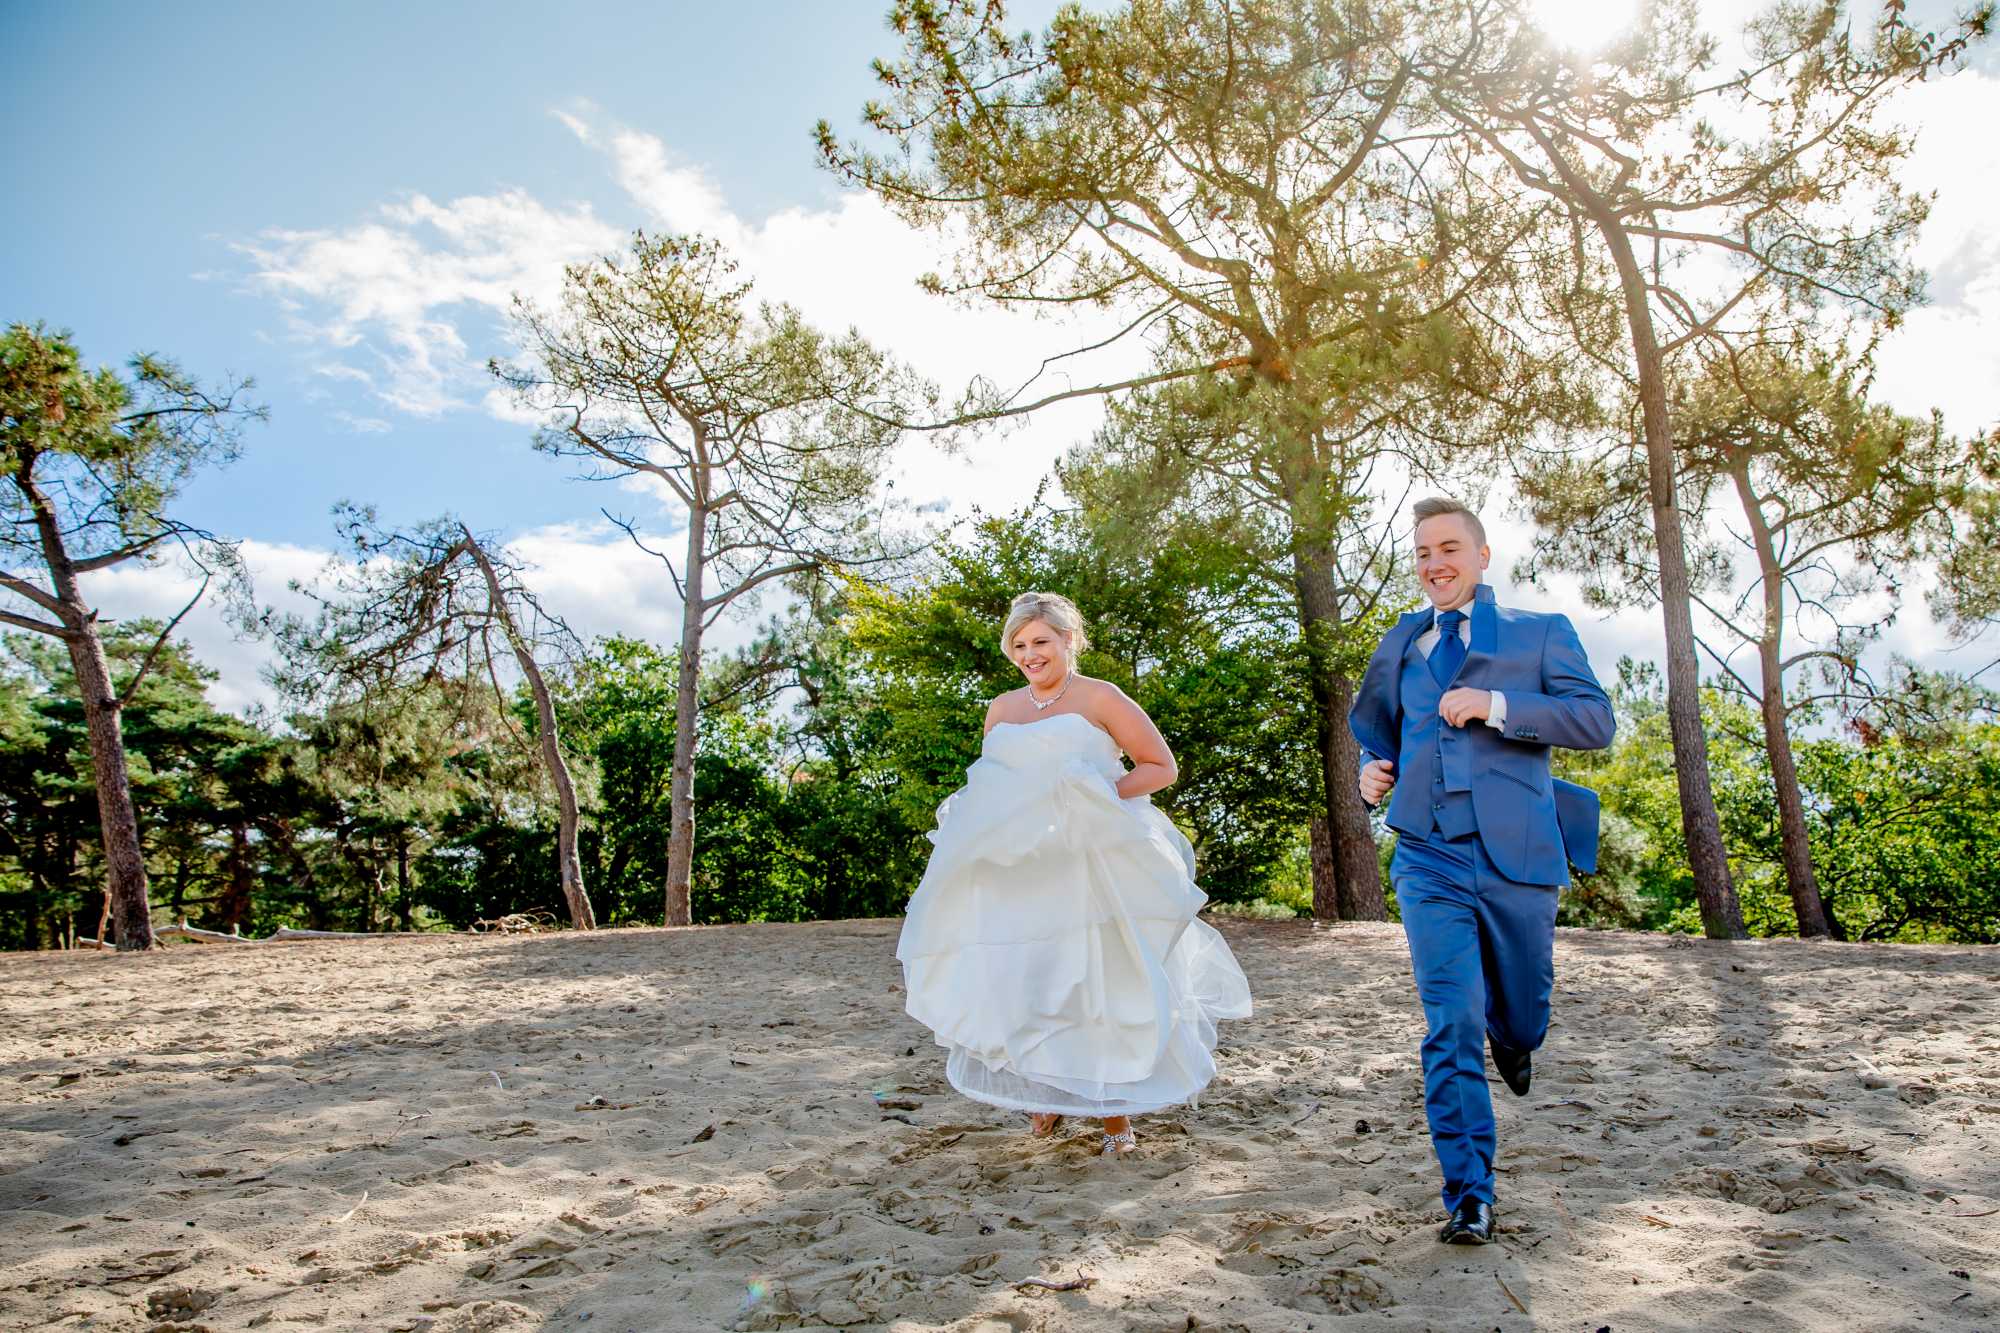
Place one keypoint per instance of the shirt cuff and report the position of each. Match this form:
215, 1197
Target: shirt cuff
1496, 716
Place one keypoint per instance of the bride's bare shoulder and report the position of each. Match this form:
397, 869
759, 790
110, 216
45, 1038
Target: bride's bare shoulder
1004, 707
1094, 694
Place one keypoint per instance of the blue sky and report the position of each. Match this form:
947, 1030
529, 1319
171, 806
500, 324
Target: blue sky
160, 138
337, 199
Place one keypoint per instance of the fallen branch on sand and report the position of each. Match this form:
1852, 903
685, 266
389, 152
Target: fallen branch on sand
518, 923
278, 936
1078, 1283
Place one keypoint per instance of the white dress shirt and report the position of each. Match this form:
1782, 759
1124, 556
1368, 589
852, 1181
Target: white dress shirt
1496, 717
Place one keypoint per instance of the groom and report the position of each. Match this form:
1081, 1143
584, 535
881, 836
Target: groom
1456, 714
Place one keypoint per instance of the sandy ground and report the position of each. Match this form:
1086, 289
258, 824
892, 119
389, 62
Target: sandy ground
739, 1128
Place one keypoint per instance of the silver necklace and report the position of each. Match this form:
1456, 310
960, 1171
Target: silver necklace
1039, 704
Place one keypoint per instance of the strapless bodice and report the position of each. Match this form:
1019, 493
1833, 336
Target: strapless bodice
1029, 745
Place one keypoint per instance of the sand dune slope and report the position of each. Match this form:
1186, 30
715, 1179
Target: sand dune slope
739, 1129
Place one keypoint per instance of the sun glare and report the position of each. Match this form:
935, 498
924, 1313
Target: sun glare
1582, 25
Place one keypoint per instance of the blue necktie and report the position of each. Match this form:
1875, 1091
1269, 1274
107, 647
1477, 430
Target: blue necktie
1449, 652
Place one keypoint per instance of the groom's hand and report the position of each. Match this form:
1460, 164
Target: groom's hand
1377, 776
1464, 705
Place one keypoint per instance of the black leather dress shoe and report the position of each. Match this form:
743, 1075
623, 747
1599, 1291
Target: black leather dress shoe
1516, 1067
1471, 1224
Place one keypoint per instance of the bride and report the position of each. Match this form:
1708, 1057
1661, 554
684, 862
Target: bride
1053, 946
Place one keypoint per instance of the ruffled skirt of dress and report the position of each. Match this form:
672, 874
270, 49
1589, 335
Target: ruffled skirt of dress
1054, 950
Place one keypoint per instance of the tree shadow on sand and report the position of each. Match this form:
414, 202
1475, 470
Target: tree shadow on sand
739, 1127
1741, 1135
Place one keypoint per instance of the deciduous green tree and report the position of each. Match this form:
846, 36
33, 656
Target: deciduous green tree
1230, 694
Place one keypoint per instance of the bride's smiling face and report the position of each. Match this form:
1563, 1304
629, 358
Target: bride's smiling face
1042, 654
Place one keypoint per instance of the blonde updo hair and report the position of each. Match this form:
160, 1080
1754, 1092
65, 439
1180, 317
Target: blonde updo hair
1053, 609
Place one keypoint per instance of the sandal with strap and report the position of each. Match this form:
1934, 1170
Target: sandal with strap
1120, 1144
1042, 1131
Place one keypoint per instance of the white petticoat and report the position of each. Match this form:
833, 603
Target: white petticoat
1053, 946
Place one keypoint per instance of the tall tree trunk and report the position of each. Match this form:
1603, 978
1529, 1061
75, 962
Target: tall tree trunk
124, 858
680, 847
569, 865
238, 882
1799, 877
1358, 861
38, 880
367, 874
1357, 870
118, 821
1800, 880
1721, 913
1326, 900
372, 891
405, 905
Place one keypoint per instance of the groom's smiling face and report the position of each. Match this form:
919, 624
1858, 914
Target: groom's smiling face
1450, 560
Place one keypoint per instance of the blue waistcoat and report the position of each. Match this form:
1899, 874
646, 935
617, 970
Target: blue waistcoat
1435, 756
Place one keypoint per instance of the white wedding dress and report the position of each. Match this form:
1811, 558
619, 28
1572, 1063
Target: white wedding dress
1053, 946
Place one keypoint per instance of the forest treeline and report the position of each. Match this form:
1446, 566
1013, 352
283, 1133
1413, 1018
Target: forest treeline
828, 743
1339, 255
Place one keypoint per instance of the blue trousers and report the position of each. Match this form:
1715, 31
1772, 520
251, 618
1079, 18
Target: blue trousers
1482, 947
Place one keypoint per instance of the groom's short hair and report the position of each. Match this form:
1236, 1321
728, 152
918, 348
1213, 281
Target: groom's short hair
1432, 506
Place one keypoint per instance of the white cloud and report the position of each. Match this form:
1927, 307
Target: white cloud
336, 371
601, 583
678, 196
593, 576
414, 299
854, 264
158, 591
363, 425
1947, 355
418, 294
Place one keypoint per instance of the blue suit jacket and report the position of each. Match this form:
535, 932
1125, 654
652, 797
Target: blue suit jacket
1532, 826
